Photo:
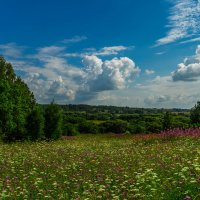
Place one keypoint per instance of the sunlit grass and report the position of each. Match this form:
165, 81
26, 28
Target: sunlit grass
102, 167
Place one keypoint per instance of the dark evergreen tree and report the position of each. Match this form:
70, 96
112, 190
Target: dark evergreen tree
35, 124
167, 121
53, 121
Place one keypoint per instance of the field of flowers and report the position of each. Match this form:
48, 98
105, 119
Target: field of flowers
150, 167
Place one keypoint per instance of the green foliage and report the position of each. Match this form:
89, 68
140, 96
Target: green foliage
7, 124
71, 130
53, 121
116, 126
167, 121
195, 114
180, 122
122, 123
35, 124
138, 120
153, 127
73, 119
88, 127
16, 102
6, 71
139, 128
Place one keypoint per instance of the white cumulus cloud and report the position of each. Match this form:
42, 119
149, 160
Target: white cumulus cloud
112, 74
50, 76
189, 70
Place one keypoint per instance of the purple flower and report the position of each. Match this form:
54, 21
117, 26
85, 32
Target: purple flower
187, 197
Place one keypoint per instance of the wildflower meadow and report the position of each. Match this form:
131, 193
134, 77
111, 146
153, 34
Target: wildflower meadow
103, 167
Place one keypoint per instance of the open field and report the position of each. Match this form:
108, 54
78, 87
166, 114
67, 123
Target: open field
102, 167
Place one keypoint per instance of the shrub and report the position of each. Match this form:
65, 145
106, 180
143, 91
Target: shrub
139, 128
116, 126
88, 127
71, 130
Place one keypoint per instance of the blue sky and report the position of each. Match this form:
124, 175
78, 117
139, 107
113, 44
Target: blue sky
113, 52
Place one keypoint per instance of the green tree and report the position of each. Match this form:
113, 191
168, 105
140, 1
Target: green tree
16, 102
88, 127
139, 127
195, 114
71, 130
6, 71
7, 124
155, 127
53, 121
35, 124
167, 121
116, 126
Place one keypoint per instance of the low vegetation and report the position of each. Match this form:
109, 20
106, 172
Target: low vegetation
103, 167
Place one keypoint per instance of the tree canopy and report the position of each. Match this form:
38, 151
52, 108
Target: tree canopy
53, 121
195, 114
16, 103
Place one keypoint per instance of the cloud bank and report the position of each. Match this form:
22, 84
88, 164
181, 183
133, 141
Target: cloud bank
49, 75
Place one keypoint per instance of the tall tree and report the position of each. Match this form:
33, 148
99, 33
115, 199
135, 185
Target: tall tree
7, 124
53, 121
16, 103
35, 124
6, 71
167, 121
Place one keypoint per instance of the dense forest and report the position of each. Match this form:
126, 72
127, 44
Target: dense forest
110, 119
21, 118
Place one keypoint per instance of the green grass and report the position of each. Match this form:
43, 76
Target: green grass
101, 167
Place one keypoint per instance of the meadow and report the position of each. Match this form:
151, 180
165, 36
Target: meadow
165, 166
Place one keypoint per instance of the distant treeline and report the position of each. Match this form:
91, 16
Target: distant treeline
82, 119
119, 110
